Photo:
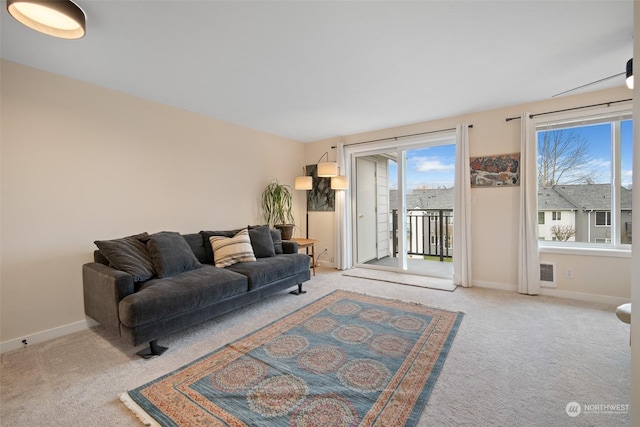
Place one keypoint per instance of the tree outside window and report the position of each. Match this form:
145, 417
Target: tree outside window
578, 160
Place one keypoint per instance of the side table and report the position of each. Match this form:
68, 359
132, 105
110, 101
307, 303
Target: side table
306, 244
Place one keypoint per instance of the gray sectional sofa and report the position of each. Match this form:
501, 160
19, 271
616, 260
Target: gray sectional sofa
145, 287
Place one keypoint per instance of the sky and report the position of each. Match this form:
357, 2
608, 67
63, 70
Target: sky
431, 167
434, 167
599, 137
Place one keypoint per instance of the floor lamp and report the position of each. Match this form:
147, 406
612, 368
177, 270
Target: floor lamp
304, 183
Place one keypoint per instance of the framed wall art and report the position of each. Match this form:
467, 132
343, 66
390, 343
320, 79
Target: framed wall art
495, 171
321, 197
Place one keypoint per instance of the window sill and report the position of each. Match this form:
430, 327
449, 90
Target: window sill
585, 251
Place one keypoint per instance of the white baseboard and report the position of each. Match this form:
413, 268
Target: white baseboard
47, 335
325, 264
581, 296
492, 285
552, 292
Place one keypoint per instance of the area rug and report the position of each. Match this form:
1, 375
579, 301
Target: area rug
347, 359
401, 278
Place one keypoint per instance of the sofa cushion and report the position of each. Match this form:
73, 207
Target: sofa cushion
171, 254
207, 244
231, 250
129, 254
276, 236
261, 241
268, 270
164, 298
197, 246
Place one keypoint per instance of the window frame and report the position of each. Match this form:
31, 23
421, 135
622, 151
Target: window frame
607, 219
544, 218
613, 113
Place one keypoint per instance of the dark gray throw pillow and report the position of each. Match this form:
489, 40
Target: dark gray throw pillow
171, 254
276, 236
261, 241
130, 255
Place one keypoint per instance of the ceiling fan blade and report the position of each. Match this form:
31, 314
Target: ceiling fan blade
588, 84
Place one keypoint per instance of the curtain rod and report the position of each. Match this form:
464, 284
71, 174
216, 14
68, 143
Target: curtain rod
396, 137
608, 104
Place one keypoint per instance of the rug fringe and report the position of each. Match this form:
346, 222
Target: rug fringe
137, 410
437, 307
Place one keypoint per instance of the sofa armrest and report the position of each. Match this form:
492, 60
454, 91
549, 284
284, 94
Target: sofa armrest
289, 247
103, 288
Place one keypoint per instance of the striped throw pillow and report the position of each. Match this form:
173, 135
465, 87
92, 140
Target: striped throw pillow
232, 250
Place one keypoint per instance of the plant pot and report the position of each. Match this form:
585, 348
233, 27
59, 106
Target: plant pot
286, 230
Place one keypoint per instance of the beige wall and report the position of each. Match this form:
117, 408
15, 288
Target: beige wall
81, 163
495, 210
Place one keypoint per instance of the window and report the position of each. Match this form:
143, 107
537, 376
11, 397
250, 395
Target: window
603, 218
585, 175
601, 240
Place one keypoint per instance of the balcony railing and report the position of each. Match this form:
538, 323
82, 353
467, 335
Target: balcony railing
429, 232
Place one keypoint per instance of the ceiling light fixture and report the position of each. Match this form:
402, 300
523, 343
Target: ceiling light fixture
57, 18
630, 73
327, 169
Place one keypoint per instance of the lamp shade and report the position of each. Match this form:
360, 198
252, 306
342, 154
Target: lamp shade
339, 182
57, 18
327, 169
630, 73
303, 183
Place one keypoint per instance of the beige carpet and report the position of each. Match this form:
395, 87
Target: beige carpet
401, 278
516, 361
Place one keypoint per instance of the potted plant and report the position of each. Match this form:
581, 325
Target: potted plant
276, 205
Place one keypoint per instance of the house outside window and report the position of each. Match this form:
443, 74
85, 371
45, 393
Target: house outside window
584, 178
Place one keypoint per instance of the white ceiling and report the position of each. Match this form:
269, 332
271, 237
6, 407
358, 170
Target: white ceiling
310, 70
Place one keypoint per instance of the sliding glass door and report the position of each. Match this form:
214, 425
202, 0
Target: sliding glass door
403, 206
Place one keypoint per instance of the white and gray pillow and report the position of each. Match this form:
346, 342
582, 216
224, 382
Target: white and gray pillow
232, 250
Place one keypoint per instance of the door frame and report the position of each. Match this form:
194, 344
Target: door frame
382, 147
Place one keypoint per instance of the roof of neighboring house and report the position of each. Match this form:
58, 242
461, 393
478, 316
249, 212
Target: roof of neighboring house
596, 197
432, 198
550, 200
593, 197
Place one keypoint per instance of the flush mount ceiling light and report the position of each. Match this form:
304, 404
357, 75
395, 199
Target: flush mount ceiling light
630, 73
57, 18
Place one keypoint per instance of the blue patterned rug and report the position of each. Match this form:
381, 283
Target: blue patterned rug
347, 359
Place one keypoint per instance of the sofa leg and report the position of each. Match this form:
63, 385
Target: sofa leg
299, 291
153, 350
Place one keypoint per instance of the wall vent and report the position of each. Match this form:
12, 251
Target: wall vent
548, 274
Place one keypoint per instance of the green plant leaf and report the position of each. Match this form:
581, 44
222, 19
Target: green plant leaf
277, 203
